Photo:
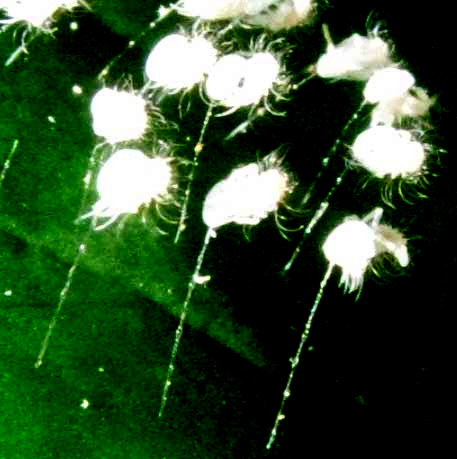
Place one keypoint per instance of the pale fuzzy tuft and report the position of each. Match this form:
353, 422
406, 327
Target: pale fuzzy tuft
355, 58
283, 15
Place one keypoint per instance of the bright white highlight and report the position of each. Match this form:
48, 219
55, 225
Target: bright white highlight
355, 58
237, 81
389, 152
35, 12
76, 90
84, 404
118, 115
246, 196
178, 62
388, 84
127, 181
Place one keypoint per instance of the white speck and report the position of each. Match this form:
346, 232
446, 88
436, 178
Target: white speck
77, 90
8, 292
51, 119
201, 280
84, 404
87, 178
162, 12
100, 369
74, 25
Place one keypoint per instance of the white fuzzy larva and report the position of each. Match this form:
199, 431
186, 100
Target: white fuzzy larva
351, 246
389, 152
236, 81
274, 15
355, 58
355, 242
392, 91
216, 10
38, 17
36, 13
128, 180
415, 104
246, 196
387, 84
282, 15
118, 115
178, 62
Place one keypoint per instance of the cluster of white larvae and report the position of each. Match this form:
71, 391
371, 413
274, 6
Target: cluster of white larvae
390, 147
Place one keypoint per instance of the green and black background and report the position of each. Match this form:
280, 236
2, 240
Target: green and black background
374, 373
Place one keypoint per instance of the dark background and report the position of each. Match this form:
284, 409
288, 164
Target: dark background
374, 371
